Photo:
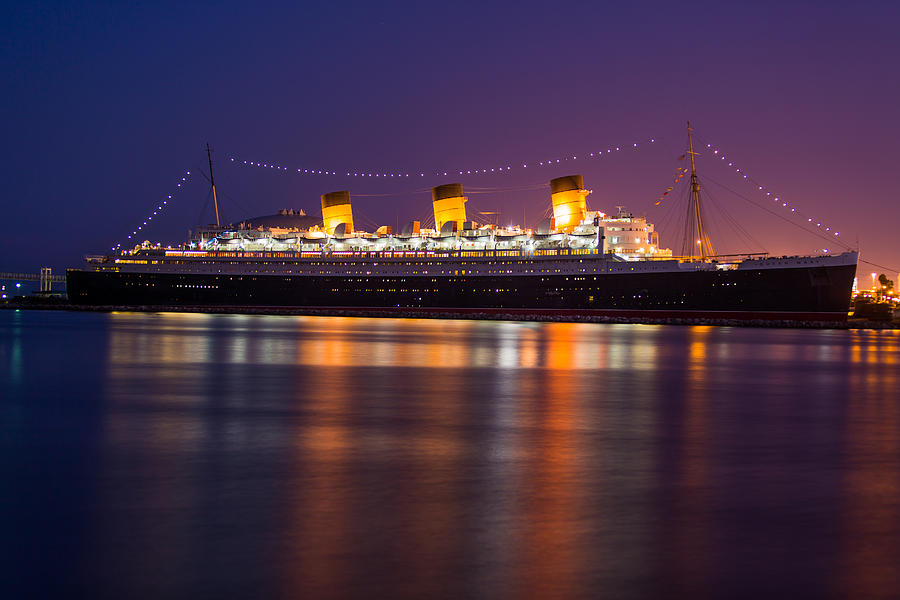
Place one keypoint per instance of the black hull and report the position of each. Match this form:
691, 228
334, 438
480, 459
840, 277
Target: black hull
811, 293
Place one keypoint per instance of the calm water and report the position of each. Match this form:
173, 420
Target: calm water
210, 456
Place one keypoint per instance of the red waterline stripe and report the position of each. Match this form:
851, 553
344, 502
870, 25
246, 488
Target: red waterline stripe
546, 312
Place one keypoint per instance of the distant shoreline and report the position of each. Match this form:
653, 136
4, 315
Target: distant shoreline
450, 314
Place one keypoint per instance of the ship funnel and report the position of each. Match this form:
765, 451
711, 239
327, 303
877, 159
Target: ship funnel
336, 209
569, 207
410, 229
543, 227
340, 231
449, 205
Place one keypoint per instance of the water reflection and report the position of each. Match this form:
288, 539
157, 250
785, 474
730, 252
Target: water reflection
870, 526
348, 342
523, 455
334, 457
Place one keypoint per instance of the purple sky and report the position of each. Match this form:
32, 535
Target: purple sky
104, 107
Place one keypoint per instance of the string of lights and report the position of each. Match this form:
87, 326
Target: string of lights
497, 168
770, 194
509, 167
159, 208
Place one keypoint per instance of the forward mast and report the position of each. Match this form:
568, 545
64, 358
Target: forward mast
704, 244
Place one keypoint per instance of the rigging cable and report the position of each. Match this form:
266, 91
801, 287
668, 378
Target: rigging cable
895, 270
240, 204
730, 220
769, 193
782, 217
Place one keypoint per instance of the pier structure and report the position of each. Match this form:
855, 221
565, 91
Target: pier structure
45, 277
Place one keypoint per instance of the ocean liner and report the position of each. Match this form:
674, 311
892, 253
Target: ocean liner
576, 264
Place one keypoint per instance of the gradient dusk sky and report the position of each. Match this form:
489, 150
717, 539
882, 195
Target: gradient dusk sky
106, 105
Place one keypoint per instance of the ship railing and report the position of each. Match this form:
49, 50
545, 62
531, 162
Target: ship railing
727, 258
95, 258
391, 254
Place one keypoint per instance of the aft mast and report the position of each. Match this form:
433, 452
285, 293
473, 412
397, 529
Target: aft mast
212, 181
703, 241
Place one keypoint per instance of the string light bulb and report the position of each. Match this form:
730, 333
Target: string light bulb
504, 167
762, 188
159, 208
